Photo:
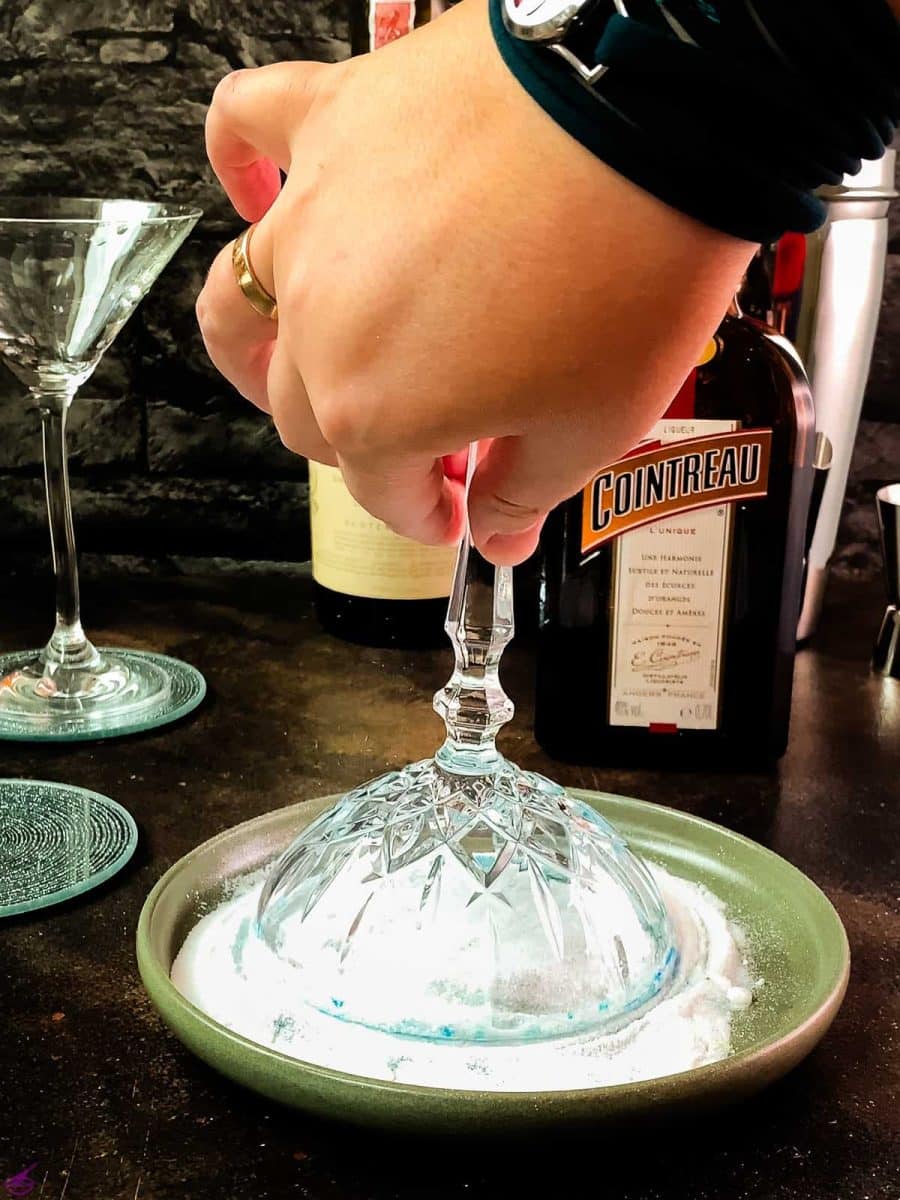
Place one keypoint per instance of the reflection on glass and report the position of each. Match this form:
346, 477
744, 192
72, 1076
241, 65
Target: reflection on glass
71, 274
463, 898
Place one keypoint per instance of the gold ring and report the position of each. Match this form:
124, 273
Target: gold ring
259, 298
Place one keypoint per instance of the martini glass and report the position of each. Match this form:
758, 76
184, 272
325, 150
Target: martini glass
71, 274
461, 898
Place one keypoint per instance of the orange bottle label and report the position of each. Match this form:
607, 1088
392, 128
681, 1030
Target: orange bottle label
664, 478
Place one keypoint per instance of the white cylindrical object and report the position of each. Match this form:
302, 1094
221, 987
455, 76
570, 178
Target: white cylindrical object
842, 292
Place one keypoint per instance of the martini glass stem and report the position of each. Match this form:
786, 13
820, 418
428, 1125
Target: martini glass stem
480, 625
68, 647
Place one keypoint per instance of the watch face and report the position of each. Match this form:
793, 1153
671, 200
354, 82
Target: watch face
540, 20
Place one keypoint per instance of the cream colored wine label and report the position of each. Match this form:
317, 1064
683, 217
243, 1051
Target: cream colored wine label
355, 554
671, 572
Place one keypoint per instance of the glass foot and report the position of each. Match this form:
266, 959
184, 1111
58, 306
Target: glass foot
126, 691
489, 908
57, 841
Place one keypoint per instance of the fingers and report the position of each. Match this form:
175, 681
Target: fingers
455, 465
252, 118
411, 494
245, 347
238, 340
289, 404
519, 481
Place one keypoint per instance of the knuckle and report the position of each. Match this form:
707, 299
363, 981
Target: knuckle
286, 435
327, 81
354, 417
203, 310
226, 90
207, 318
301, 86
280, 408
293, 300
283, 405
338, 422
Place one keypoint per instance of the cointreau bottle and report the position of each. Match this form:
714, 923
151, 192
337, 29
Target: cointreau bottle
670, 587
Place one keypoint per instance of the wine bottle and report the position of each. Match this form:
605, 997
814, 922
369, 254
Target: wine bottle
670, 587
370, 585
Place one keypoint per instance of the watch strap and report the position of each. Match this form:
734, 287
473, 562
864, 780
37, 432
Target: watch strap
732, 197
733, 111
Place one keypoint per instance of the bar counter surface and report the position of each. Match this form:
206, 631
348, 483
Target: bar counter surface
108, 1105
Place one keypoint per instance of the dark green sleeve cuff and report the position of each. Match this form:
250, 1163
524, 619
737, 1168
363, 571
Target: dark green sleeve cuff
716, 134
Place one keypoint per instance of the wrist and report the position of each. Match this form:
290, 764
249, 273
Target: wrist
680, 113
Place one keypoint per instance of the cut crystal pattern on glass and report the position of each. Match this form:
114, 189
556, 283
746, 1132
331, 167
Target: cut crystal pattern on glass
461, 897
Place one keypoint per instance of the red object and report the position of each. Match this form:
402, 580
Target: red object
790, 262
393, 20
684, 404
455, 465
660, 727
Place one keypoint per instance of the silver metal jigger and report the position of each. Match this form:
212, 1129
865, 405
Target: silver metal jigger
886, 655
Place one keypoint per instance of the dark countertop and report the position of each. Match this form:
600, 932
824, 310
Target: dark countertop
97, 1092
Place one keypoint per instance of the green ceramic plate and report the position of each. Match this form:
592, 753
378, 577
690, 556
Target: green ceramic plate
797, 942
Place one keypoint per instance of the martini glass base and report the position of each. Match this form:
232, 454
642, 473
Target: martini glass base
57, 841
130, 691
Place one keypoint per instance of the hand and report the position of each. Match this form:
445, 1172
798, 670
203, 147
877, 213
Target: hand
449, 265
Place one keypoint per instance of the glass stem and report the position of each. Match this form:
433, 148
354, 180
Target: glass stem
480, 625
68, 647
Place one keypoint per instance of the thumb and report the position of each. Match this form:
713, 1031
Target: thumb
519, 481
251, 123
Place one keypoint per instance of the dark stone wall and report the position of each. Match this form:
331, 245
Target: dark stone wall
109, 96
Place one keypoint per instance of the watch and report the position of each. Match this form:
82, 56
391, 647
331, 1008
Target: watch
569, 28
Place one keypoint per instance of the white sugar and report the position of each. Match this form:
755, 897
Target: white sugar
226, 970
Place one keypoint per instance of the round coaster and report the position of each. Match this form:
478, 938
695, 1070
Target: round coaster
57, 841
155, 690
